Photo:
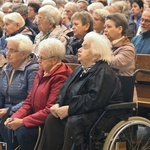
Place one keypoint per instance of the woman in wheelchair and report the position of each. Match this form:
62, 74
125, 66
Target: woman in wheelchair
83, 97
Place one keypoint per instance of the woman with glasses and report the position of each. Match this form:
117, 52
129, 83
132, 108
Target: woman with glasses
17, 75
34, 111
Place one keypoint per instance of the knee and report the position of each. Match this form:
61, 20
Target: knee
21, 133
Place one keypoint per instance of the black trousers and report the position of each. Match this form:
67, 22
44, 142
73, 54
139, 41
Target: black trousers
55, 135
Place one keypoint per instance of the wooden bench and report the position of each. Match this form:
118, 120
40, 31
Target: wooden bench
143, 80
73, 66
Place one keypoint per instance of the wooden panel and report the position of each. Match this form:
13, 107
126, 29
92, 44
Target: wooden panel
73, 66
143, 62
143, 84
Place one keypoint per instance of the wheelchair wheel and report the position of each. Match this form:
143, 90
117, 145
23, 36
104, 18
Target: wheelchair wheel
132, 134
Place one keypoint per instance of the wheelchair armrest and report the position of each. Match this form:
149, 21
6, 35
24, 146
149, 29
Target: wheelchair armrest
126, 105
141, 71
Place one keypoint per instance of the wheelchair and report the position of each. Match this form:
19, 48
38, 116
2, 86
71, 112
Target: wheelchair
129, 132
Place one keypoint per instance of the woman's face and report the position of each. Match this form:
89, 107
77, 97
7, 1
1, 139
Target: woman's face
43, 24
98, 24
79, 30
13, 55
46, 63
136, 10
111, 31
85, 55
10, 27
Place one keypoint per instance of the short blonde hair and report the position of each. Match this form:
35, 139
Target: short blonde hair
15, 18
52, 47
100, 45
24, 42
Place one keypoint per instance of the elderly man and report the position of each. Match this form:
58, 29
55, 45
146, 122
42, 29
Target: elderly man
141, 42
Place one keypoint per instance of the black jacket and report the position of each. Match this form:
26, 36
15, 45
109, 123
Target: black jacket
88, 95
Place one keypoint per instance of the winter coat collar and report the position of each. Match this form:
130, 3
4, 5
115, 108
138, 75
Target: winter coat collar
123, 41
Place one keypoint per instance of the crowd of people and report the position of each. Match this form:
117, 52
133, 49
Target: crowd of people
46, 98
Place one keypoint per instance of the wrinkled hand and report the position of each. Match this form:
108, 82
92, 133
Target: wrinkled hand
53, 110
13, 123
2, 112
62, 112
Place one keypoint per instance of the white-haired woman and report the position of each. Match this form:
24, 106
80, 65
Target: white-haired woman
49, 19
35, 109
17, 75
13, 25
90, 88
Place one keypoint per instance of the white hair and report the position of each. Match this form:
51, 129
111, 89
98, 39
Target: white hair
52, 47
49, 2
24, 42
100, 45
51, 13
14, 18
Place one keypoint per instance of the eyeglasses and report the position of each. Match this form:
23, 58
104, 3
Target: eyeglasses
41, 58
12, 51
145, 20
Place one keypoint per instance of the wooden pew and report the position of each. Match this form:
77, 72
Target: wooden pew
73, 66
143, 80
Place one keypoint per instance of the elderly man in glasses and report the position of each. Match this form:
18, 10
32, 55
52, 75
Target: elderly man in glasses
141, 42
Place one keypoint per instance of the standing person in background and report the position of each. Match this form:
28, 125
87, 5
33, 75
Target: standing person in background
24, 124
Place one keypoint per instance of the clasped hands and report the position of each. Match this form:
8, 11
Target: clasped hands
13, 123
59, 112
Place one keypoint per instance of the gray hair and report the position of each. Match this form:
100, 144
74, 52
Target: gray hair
73, 5
15, 18
24, 43
51, 13
119, 20
100, 45
102, 13
93, 6
52, 47
20, 8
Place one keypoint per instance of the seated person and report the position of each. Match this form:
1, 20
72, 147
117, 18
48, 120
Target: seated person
124, 54
141, 42
89, 89
13, 24
18, 74
82, 23
34, 111
49, 19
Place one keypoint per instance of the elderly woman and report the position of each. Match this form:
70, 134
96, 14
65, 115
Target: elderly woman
18, 74
13, 24
99, 16
83, 96
49, 25
82, 24
35, 109
124, 54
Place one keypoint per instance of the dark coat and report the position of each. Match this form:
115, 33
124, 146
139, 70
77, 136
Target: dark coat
89, 94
